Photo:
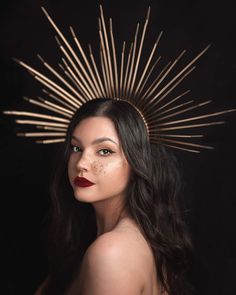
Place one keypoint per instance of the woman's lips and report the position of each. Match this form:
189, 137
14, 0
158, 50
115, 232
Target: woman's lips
82, 182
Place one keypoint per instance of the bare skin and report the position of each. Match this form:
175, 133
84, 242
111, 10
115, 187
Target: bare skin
120, 260
125, 236
138, 261
119, 250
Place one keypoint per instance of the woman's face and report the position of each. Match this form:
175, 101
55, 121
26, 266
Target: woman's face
96, 155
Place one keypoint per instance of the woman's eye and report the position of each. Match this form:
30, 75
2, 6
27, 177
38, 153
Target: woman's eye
75, 148
105, 152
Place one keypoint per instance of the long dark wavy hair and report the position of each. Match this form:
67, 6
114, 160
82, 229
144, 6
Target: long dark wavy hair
151, 200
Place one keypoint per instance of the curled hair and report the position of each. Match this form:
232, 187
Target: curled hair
151, 201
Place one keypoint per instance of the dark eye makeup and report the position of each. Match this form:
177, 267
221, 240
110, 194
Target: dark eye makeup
102, 152
105, 152
75, 148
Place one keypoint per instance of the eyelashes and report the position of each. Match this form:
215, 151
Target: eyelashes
74, 147
107, 152
103, 152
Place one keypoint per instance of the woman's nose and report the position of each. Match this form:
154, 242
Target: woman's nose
83, 163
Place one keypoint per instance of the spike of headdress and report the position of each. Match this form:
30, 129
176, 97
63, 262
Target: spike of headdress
118, 77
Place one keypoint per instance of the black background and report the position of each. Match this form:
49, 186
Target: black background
209, 176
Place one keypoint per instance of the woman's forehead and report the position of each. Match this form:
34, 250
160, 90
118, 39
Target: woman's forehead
92, 128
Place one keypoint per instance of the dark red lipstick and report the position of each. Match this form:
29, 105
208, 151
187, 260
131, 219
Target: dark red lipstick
82, 182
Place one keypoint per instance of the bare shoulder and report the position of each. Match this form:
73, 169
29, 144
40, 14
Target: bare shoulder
117, 245
112, 265
126, 244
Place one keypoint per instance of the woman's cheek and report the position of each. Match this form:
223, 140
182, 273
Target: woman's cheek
108, 166
97, 167
72, 170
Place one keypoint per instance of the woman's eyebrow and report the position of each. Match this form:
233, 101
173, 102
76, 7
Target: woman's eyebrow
97, 140
101, 139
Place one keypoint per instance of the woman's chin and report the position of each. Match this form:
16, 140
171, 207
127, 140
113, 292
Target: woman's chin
83, 196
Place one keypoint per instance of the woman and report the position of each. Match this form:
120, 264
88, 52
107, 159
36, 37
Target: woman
115, 226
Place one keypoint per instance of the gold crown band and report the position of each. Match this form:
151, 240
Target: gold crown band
140, 113
83, 79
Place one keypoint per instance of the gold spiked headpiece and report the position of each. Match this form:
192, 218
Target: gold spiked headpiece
116, 76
